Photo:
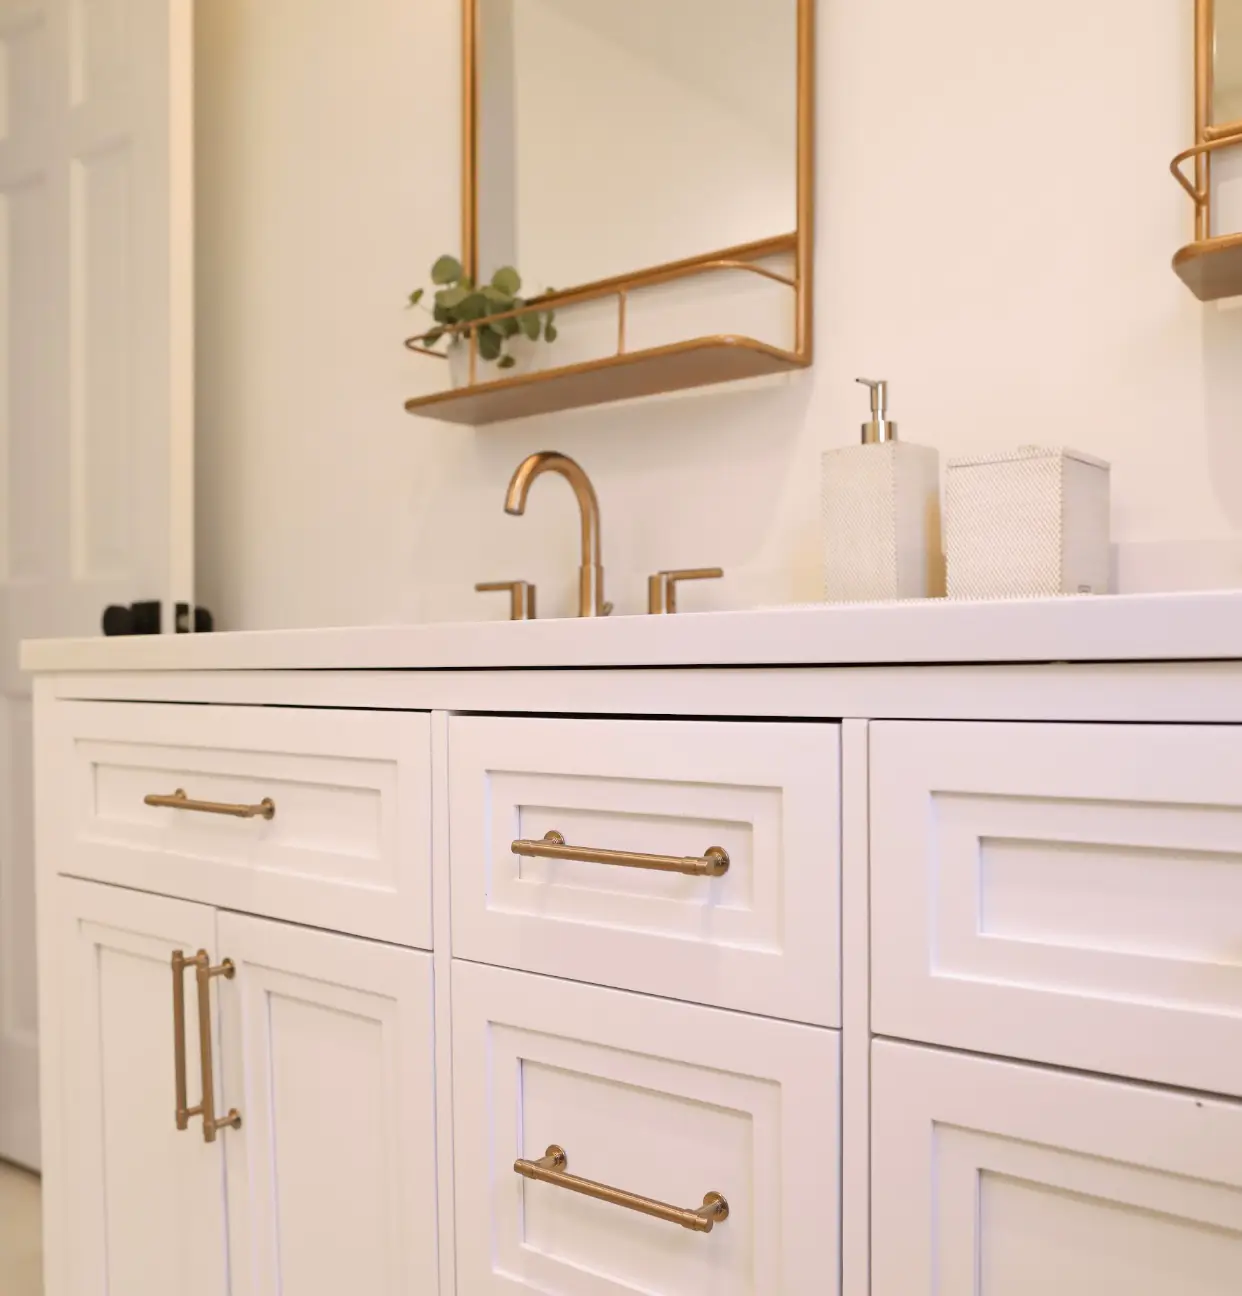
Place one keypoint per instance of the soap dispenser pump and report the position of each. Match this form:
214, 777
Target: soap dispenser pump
880, 428
882, 514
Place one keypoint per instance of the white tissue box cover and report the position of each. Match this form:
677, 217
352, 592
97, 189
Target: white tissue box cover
1032, 522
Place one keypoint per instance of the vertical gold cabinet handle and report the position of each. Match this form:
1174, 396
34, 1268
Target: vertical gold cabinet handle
203, 972
552, 1168
179, 965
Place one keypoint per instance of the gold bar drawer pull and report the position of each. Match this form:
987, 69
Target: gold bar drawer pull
266, 809
714, 862
551, 1169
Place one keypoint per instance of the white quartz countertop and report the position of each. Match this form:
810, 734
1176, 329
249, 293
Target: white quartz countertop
1148, 627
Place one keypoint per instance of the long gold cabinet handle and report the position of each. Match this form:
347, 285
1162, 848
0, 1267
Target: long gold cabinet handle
184, 1112
551, 1169
714, 862
203, 973
266, 809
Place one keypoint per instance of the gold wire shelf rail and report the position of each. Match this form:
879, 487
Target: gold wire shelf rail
741, 257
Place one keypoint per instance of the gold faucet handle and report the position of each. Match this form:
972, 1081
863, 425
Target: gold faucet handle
662, 587
521, 597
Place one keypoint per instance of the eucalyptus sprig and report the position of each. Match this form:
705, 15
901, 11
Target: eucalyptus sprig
458, 300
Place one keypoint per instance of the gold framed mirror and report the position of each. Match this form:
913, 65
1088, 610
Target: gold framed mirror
656, 157
1211, 266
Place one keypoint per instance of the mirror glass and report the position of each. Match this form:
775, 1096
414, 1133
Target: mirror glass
615, 135
1227, 106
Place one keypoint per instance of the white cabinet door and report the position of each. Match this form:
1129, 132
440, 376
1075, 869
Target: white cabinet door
96, 387
329, 1057
995, 1179
144, 1201
669, 1101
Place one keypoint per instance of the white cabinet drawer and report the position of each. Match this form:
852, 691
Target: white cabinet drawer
1066, 893
992, 1177
764, 937
665, 1100
347, 848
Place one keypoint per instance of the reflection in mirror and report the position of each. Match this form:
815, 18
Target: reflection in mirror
1227, 105
614, 135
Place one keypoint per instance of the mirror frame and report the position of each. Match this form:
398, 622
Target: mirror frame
1211, 266
801, 242
1205, 78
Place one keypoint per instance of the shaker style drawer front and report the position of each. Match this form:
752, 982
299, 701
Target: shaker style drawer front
693, 860
319, 817
608, 1142
1066, 893
992, 1177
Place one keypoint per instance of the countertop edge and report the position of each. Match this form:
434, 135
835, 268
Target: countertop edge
1120, 628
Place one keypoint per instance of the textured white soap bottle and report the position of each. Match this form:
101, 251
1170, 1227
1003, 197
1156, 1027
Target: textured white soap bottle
882, 515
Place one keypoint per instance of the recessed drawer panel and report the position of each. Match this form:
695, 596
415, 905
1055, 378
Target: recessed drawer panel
1067, 893
999, 1179
657, 1109
697, 861
320, 817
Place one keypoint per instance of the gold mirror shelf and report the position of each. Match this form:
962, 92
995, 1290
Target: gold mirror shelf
1211, 266
786, 259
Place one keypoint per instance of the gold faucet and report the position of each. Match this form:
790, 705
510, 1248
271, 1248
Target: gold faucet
591, 573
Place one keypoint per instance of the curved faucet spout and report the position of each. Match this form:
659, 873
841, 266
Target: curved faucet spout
591, 573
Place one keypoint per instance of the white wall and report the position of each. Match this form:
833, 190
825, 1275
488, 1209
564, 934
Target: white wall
1007, 274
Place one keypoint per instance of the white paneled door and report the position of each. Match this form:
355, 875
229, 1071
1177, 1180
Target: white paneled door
96, 398
144, 1200
991, 1178
328, 1054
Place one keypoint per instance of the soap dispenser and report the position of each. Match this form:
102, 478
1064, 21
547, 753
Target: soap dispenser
882, 514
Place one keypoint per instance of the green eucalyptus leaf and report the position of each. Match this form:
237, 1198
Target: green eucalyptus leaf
506, 362
473, 306
509, 327
550, 331
507, 280
498, 298
432, 338
446, 270
416, 296
530, 325
440, 315
490, 343
452, 298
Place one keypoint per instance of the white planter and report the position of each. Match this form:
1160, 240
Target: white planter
459, 364
524, 352
522, 349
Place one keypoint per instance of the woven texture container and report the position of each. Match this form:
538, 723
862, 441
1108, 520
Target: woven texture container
1030, 523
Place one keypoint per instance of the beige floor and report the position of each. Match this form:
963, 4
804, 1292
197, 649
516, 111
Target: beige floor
21, 1256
